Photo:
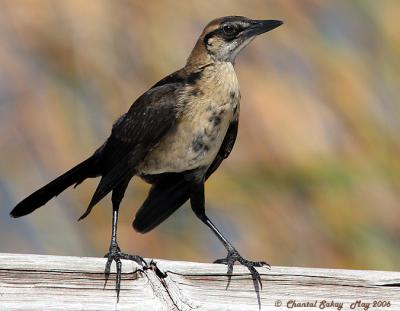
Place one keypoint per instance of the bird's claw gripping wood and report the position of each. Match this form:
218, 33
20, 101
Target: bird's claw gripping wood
116, 255
234, 256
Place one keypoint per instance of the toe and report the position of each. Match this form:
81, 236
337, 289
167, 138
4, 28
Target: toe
258, 263
221, 261
108, 265
139, 260
144, 262
261, 264
254, 273
118, 276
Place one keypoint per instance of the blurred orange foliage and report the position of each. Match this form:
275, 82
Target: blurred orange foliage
314, 178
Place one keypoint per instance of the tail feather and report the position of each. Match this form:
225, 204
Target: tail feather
164, 198
40, 197
122, 170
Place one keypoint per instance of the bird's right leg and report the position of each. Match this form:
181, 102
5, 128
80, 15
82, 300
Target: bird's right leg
197, 203
114, 253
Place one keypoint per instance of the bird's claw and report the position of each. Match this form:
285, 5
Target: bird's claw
234, 256
116, 255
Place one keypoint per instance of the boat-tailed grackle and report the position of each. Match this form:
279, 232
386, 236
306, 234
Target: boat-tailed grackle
174, 137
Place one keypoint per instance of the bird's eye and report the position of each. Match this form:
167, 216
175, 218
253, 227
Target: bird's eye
229, 30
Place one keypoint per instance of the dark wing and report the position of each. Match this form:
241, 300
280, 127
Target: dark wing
134, 135
174, 78
226, 147
171, 190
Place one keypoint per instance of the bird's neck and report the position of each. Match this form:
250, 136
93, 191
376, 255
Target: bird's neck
200, 57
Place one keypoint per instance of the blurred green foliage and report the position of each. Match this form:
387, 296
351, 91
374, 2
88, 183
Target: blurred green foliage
314, 178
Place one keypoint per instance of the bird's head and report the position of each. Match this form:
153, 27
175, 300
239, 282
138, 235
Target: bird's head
223, 38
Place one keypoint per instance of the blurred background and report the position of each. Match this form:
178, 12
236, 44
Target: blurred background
314, 178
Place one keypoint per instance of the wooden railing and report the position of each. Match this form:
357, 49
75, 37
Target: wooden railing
36, 282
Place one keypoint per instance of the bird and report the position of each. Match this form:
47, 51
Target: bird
174, 137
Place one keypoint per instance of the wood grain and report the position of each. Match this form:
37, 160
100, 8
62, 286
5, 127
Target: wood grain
36, 282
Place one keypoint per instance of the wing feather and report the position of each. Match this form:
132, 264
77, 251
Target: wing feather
134, 135
170, 190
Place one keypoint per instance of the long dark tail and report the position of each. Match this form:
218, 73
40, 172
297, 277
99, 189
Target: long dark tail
76, 175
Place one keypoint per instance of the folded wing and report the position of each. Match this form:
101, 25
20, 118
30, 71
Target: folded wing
134, 135
171, 190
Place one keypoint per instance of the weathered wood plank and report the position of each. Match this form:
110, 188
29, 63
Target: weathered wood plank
35, 282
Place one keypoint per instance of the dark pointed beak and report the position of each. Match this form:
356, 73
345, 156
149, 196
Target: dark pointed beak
260, 26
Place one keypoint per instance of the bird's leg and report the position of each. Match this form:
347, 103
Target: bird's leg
114, 253
197, 203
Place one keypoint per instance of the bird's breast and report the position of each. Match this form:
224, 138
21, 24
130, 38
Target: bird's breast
209, 107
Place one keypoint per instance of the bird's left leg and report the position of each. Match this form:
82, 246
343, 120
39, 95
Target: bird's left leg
114, 253
197, 202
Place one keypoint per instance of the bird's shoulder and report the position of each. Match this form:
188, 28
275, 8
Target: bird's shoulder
161, 103
154, 111
184, 76
176, 78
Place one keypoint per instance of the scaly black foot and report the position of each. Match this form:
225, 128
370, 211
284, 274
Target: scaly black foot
116, 255
233, 256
